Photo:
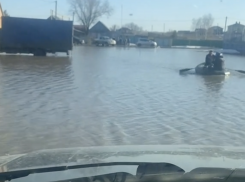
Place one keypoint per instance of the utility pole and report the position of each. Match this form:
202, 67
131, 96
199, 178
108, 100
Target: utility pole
73, 16
225, 23
121, 15
55, 9
51, 13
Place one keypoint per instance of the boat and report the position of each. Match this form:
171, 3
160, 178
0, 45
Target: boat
202, 70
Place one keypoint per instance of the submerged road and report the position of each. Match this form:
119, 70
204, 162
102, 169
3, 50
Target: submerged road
117, 96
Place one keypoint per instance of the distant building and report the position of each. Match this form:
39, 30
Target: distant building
124, 30
183, 33
122, 33
157, 34
200, 31
52, 17
215, 30
79, 33
235, 32
236, 28
99, 29
79, 30
234, 38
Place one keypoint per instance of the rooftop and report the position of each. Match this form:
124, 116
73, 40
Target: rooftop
99, 26
237, 24
52, 17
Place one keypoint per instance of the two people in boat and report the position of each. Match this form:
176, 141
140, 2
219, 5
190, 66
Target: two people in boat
215, 62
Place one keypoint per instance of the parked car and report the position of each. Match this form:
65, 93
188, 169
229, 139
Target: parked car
105, 41
143, 42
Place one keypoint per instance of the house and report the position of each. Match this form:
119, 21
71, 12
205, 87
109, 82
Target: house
200, 31
183, 33
156, 34
215, 30
236, 28
235, 37
235, 32
79, 33
99, 29
79, 30
124, 30
52, 17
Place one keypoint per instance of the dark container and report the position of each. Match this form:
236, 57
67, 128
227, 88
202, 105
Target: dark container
37, 36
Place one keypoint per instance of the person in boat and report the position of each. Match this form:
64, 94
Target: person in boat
219, 62
209, 59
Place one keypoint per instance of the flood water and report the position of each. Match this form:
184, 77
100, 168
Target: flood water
118, 96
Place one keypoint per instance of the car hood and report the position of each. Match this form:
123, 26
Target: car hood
186, 157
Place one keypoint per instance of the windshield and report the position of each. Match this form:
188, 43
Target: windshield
107, 73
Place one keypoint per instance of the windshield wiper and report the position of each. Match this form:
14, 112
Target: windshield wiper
145, 172
143, 169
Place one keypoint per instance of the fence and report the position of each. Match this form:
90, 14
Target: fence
203, 43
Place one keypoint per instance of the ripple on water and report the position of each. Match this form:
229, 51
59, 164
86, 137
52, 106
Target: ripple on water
116, 96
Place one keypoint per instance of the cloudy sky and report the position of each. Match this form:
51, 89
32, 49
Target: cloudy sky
150, 14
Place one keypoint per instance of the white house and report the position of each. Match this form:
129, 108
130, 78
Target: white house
236, 28
235, 32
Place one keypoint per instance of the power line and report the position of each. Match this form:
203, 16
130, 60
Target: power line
51, 1
47, 1
145, 20
237, 19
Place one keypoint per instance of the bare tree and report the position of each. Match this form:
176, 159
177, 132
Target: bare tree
134, 27
204, 22
207, 21
5, 13
88, 11
114, 28
196, 23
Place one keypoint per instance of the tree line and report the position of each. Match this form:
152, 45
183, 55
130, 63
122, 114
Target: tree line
89, 11
204, 22
132, 26
5, 13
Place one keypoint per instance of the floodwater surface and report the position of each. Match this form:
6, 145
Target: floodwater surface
118, 96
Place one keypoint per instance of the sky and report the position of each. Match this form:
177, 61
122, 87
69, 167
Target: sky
152, 15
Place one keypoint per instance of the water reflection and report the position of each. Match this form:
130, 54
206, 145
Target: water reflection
214, 83
33, 92
30, 64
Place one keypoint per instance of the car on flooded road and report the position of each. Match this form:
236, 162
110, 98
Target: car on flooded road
143, 42
104, 41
